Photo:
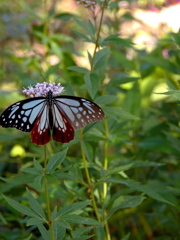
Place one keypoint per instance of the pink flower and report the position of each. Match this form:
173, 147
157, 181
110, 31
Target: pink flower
42, 89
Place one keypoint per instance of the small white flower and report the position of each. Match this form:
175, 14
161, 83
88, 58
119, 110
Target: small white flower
42, 89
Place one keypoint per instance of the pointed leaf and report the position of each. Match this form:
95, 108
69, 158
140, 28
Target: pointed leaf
126, 237
35, 205
101, 58
105, 99
78, 69
32, 171
83, 238
34, 221
64, 224
37, 165
59, 231
73, 207
88, 150
91, 29
28, 238
119, 41
140, 187
80, 231
83, 36
130, 166
81, 24
45, 233
56, 160
92, 83
100, 233
72, 218
19, 207
124, 202
119, 114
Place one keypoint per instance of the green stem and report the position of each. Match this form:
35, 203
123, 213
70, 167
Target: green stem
90, 185
105, 157
98, 35
108, 236
47, 195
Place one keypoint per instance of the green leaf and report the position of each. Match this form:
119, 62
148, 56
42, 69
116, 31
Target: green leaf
80, 231
78, 69
91, 29
100, 233
119, 79
28, 238
64, 224
32, 171
122, 60
83, 36
37, 165
56, 160
21, 208
81, 24
107, 99
72, 218
21, 179
119, 114
174, 93
52, 69
140, 187
101, 58
119, 41
130, 166
39, 180
134, 106
163, 63
59, 231
124, 202
52, 178
45, 233
64, 16
73, 207
56, 49
89, 58
88, 150
35, 205
34, 221
126, 237
92, 83
83, 238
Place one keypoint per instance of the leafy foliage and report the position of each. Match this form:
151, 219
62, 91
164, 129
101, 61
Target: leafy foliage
119, 178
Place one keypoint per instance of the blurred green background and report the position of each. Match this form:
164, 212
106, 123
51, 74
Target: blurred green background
141, 81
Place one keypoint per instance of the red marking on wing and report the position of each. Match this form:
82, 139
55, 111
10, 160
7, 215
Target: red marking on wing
62, 130
40, 137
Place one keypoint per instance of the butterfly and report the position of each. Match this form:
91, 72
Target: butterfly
51, 116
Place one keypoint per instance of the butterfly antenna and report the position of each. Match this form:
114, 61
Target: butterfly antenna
57, 79
43, 77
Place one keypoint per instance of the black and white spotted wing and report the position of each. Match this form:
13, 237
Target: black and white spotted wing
79, 111
23, 114
60, 114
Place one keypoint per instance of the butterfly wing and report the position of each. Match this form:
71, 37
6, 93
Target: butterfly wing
79, 111
40, 133
62, 130
23, 114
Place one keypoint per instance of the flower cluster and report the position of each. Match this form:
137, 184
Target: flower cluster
42, 89
90, 3
86, 3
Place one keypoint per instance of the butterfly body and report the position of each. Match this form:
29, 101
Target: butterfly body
45, 116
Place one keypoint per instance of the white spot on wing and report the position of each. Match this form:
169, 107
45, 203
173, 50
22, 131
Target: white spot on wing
32, 104
35, 112
14, 109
